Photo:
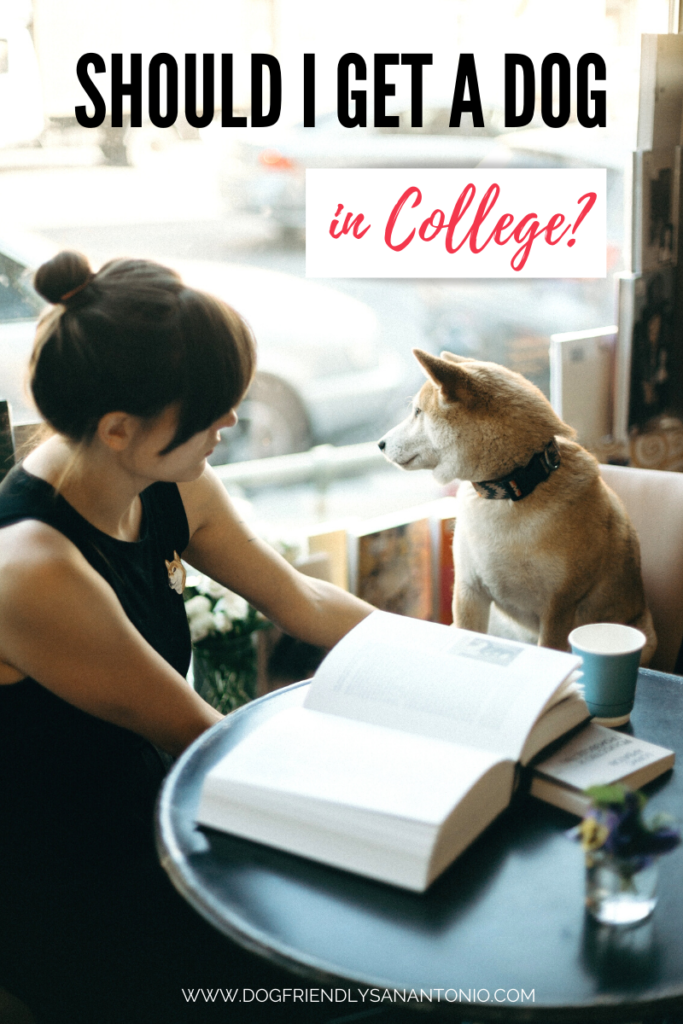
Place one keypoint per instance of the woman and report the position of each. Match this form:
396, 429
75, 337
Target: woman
136, 375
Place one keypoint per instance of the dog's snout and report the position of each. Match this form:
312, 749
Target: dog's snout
382, 445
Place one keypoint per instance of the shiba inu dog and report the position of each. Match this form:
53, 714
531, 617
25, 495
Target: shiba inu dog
538, 533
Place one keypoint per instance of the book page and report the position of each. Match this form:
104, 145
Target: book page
556, 720
300, 762
432, 680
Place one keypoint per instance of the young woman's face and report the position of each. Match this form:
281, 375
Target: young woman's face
182, 464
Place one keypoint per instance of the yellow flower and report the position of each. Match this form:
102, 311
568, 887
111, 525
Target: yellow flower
593, 834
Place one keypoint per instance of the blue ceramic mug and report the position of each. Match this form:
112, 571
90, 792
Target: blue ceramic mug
611, 656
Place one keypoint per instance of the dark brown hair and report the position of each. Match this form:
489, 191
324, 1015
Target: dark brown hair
133, 338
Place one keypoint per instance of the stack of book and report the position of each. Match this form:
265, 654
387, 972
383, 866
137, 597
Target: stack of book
649, 364
406, 746
401, 563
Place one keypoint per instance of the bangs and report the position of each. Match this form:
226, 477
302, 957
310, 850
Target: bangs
133, 338
215, 363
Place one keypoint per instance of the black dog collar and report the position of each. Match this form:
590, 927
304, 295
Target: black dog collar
524, 480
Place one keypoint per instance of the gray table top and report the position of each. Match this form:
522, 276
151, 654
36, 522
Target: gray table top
507, 917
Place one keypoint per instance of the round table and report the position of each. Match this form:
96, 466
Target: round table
502, 933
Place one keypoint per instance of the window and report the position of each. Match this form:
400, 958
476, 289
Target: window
18, 300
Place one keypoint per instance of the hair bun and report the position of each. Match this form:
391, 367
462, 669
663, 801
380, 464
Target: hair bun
61, 275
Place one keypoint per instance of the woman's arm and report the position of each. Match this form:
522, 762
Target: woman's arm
62, 624
223, 547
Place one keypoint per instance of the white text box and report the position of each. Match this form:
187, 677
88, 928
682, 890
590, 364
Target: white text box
456, 223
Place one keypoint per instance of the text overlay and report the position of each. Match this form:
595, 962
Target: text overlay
483, 222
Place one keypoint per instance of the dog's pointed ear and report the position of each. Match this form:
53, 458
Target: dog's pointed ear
452, 379
451, 357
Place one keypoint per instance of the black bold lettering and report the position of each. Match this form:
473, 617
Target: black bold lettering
156, 117
416, 61
512, 62
466, 76
119, 89
309, 90
258, 62
598, 96
384, 89
91, 89
228, 119
359, 96
559, 61
206, 116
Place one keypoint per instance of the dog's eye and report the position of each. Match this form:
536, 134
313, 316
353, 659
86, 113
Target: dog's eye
416, 412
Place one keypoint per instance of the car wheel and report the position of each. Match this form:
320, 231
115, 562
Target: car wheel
272, 421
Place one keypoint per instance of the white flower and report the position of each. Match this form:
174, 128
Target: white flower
208, 586
198, 605
233, 606
201, 625
223, 622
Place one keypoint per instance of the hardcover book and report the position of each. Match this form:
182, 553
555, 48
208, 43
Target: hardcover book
390, 563
403, 562
331, 540
582, 381
597, 757
404, 749
443, 528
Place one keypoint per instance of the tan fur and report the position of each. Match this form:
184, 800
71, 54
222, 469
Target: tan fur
176, 573
566, 554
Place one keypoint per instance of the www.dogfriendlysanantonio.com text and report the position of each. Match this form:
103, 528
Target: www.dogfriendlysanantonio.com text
361, 996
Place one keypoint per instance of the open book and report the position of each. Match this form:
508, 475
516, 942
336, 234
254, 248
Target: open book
597, 757
403, 752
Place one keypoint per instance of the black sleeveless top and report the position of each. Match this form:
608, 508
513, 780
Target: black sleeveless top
72, 786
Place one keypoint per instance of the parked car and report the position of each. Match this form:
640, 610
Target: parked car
323, 367
20, 306
263, 170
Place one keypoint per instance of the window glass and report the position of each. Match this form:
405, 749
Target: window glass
226, 205
18, 300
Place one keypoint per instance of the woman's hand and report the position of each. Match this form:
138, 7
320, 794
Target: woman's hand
62, 624
223, 547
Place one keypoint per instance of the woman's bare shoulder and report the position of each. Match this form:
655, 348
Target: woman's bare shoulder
32, 539
29, 549
34, 561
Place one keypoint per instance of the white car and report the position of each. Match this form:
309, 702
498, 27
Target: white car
323, 368
263, 170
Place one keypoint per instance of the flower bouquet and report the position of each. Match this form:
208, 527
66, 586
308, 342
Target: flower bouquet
223, 629
621, 851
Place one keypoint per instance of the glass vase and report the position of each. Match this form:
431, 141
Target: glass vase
620, 890
225, 671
